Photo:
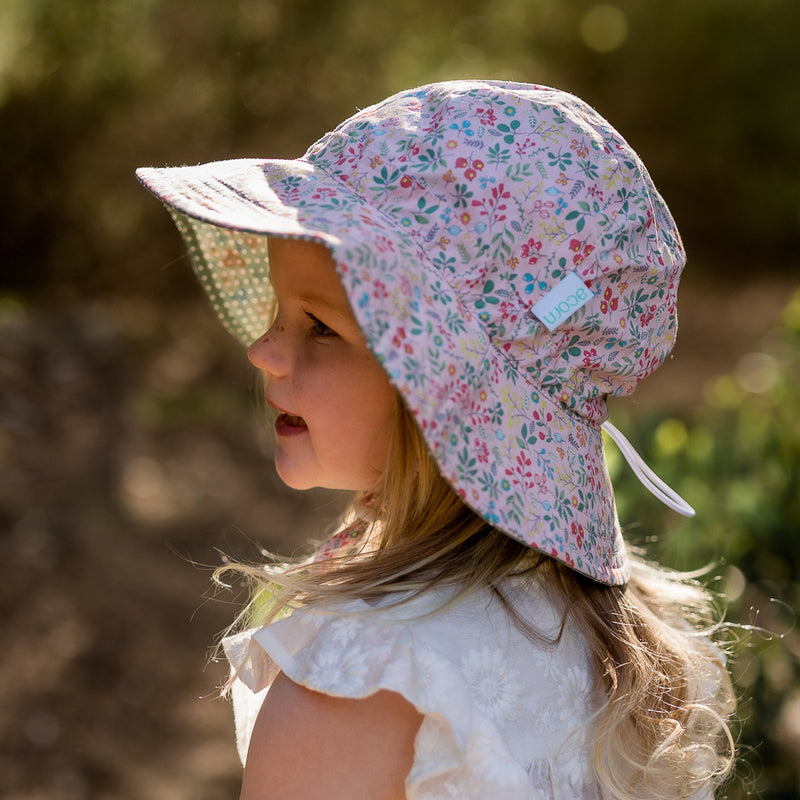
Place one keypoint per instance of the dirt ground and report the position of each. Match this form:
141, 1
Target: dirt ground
131, 459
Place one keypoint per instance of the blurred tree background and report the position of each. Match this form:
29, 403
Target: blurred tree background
130, 451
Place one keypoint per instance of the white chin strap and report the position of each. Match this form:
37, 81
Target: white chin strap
651, 481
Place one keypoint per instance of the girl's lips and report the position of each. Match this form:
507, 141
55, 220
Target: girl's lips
289, 425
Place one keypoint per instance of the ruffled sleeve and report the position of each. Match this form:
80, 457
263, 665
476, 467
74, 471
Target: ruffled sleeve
456, 667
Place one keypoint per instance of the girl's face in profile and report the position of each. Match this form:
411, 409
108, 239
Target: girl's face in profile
336, 405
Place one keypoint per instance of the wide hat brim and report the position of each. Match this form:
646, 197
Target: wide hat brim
536, 471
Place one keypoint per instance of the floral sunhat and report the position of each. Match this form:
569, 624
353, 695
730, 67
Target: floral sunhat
510, 263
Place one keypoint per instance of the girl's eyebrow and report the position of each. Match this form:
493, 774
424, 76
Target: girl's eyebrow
323, 300
334, 307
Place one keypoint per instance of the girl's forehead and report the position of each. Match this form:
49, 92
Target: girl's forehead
294, 264
306, 271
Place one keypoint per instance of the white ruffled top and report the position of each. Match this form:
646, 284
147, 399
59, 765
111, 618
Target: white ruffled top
503, 716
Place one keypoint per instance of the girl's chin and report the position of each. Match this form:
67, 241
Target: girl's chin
302, 480
295, 480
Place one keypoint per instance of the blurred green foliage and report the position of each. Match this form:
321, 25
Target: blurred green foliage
706, 90
736, 459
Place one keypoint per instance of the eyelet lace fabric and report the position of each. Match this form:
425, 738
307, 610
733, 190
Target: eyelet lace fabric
504, 716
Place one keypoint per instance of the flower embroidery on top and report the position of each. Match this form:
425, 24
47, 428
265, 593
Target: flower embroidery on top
570, 711
338, 668
432, 675
345, 630
495, 685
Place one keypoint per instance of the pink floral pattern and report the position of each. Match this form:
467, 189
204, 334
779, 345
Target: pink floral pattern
451, 210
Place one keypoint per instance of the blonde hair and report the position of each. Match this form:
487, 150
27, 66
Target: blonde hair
662, 731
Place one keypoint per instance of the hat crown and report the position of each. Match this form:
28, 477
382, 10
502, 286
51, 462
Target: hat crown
508, 188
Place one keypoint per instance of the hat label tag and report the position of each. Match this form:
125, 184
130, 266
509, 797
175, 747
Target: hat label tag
562, 301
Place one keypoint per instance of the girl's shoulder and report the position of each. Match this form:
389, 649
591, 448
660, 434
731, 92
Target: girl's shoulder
510, 698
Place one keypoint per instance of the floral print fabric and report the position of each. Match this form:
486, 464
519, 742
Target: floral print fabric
503, 716
452, 210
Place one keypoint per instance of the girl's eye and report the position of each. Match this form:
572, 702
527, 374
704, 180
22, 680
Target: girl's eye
319, 328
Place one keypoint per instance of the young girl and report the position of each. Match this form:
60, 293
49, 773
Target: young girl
451, 283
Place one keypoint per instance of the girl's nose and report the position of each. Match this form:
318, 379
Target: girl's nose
267, 354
